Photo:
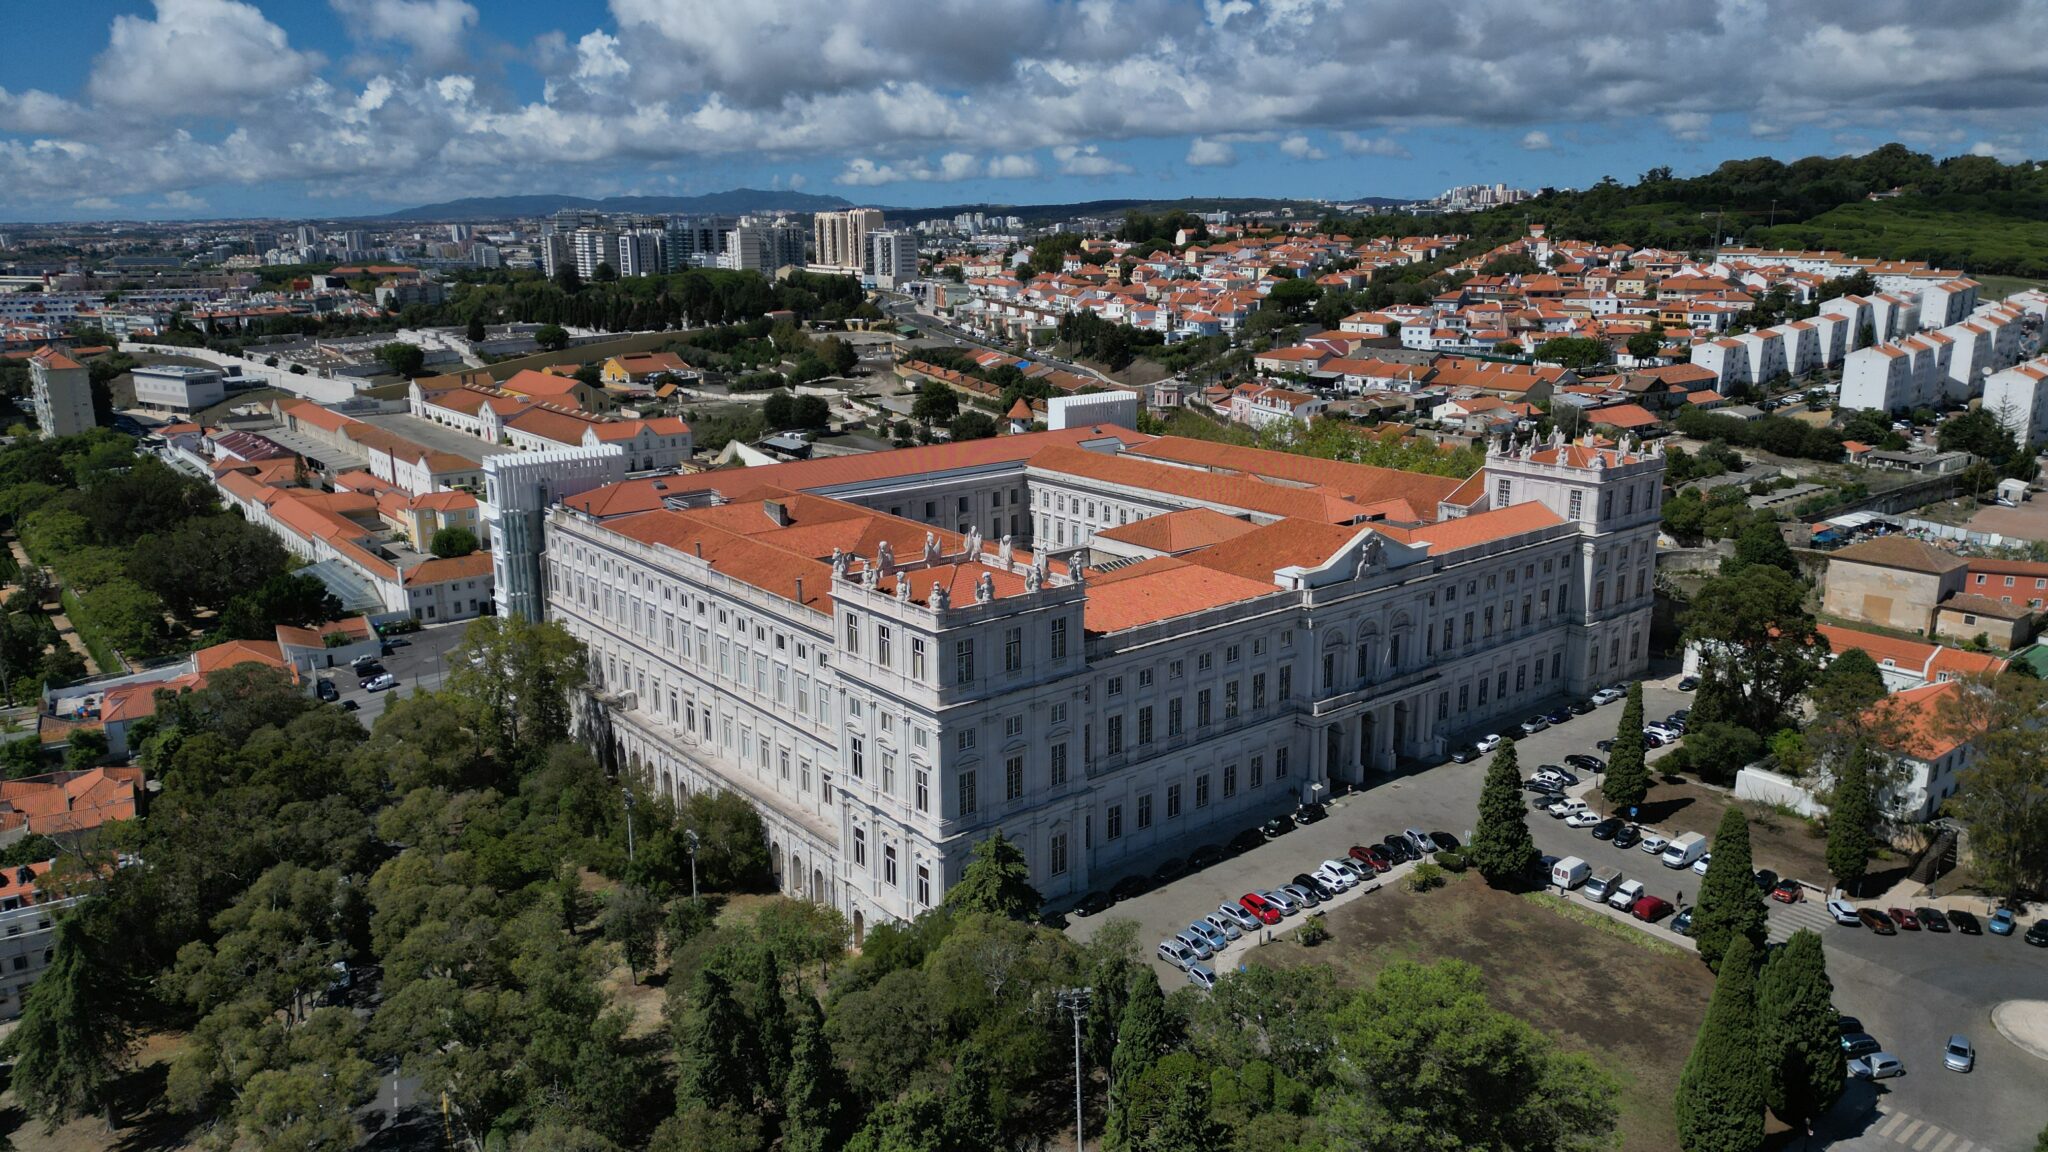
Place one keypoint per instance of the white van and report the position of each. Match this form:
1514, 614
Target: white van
1568, 873
1601, 884
1684, 850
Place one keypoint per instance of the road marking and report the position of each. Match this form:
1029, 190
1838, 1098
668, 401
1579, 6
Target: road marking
1897, 1119
1907, 1134
1945, 1142
1930, 1134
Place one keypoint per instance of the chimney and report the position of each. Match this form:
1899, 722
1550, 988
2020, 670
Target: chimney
799, 590
777, 511
700, 549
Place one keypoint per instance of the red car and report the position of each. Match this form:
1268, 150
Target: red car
1788, 891
1904, 918
1373, 856
1257, 906
1650, 909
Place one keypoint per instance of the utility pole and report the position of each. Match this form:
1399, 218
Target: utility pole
1075, 1001
690, 834
628, 794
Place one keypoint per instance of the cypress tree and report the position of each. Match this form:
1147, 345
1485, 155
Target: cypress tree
1797, 1033
71, 1042
1730, 906
1720, 1103
969, 1119
1851, 814
1501, 847
1141, 1035
712, 1036
810, 1096
1628, 778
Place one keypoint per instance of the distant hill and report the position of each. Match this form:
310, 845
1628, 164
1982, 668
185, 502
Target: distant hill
1113, 208
734, 202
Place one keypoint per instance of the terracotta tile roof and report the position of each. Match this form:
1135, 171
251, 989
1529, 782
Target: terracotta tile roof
1923, 659
1485, 527
1177, 532
1914, 723
1361, 482
53, 357
62, 802
1901, 552
1162, 588
476, 565
1984, 606
355, 628
1219, 488
235, 652
540, 384
1626, 416
1257, 555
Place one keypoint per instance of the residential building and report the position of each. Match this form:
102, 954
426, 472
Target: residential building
60, 390
28, 919
640, 252
893, 257
1967, 617
842, 237
2018, 396
837, 641
1892, 582
589, 247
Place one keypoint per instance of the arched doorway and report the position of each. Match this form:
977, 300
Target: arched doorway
860, 928
817, 885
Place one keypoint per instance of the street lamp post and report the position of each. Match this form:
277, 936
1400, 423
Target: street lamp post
690, 834
1075, 1002
628, 794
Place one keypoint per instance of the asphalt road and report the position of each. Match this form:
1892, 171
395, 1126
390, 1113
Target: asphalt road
420, 665
1911, 991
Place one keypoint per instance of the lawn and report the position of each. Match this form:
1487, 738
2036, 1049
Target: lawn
1632, 1004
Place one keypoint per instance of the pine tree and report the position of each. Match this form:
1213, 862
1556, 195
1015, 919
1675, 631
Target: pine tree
1730, 906
1851, 813
997, 880
810, 1095
1501, 847
1142, 1033
1797, 1033
969, 1119
1628, 778
772, 1026
71, 1041
712, 1036
1720, 1102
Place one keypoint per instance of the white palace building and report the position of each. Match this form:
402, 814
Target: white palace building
1112, 646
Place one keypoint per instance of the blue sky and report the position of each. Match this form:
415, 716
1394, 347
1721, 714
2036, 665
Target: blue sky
213, 108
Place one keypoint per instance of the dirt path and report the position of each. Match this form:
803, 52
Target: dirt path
66, 634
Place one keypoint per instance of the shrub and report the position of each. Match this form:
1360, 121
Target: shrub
1426, 876
1450, 861
1313, 932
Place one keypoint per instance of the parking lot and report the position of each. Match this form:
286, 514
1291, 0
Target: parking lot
418, 661
1911, 990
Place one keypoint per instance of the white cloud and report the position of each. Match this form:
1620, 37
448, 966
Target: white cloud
1354, 144
1689, 126
433, 29
862, 172
1087, 161
1537, 141
95, 204
797, 180
179, 201
197, 56
1012, 167
597, 57
2005, 152
1210, 154
1298, 146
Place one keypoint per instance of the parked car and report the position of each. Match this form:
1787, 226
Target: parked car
1315, 886
1682, 923
1202, 976
1400, 849
1654, 845
1247, 840
1688, 684
1238, 915
1585, 819
326, 690
1177, 954
1766, 880
1606, 745
1606, 829
1627, 835
1847, 1024
1203, 857
1609, 695
1419, 840
2038, 934
1464, 754
1558, 715
1342, 873
1788, 891
1876, 1066
1281, 898
1310, 813
1172, 869
1958, 1055
1650, 909
1561, 808
1445, 842
1092, 903
1844, 913
1130, 886
2002, 922
1558, 772
1932, 919
1877, 921
1372, 856
1585, 763
1543, 785
1487, 743
1856, 1044
1625, 895
1904, 918
1700, 865
1579, 707
1277, 826
1965, 923
381, 683
1303, 898
1209, 934
366, 667
1259, 908
1657, 738
1535, 724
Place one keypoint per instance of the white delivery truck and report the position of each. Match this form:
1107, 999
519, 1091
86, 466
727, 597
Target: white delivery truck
1600, 885
1682, 851
1568, 873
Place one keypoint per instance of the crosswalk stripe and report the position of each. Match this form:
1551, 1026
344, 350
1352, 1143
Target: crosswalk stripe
1966, 1146
1907, 1134
1897, 1119
1920, 1144
1945, 1142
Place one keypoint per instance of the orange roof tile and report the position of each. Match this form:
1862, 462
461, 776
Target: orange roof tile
1485, 527
1177, 532
1162, 588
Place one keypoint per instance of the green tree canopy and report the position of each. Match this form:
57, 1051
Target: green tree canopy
1627, 780
1798, 1033
1720, 1102
1502, 848
402, 359
452, 541
1730, 906
997, 881
1852, 818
